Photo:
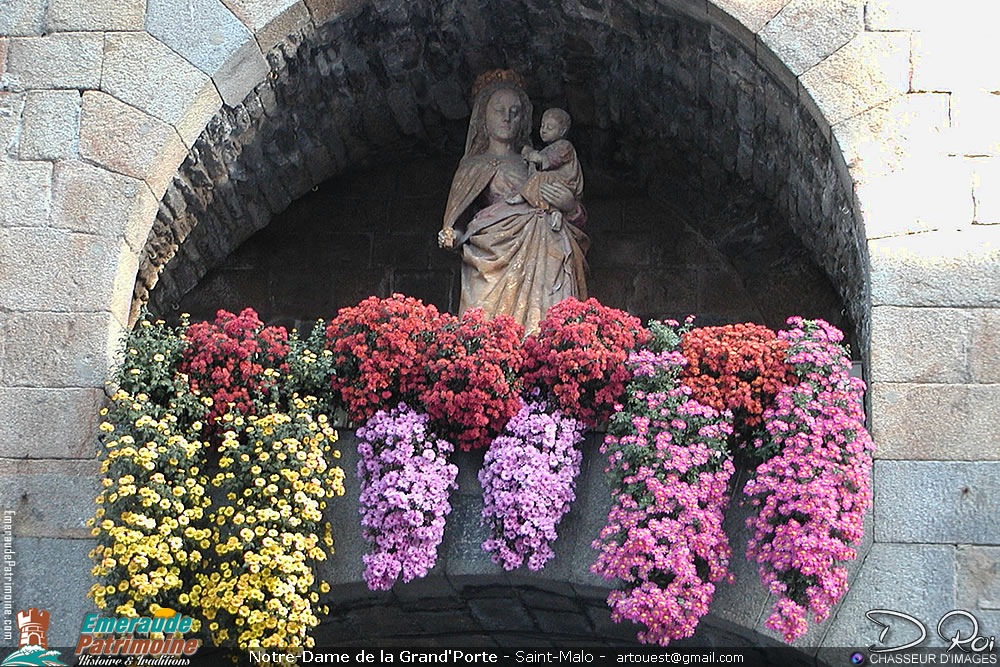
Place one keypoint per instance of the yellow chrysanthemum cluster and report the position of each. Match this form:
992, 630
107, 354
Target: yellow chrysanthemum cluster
154, 497
274, 472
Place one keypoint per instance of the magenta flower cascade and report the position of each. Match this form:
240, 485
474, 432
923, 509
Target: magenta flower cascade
814, 484
406, 481
529, 480
670, 469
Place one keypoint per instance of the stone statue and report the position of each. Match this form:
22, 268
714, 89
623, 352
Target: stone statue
518, 258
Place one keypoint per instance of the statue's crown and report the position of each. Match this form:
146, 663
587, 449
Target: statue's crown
494, 77
33, 616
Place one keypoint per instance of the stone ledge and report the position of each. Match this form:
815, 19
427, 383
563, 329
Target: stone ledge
937, 502
935, 421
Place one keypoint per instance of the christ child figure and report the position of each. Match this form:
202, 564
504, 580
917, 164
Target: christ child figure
556, 163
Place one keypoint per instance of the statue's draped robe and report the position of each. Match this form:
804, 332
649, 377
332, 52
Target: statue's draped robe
513, 262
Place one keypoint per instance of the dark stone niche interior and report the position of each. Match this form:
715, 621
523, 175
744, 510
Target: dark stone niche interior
711, 188
374, 233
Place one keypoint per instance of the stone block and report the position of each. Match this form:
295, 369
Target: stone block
66, 15
935, 421
28, 487
49, 423
22, 17
986, 191
90, 199
944, 268
59, 60
892, 15
55, 270
754, 14
941, 58
222, 47
936, 502
50, 125
54, 574
143, 72
920, 344
126, 140
270, 20
917, 579
58, 349
926, 195
11, 106
241, 73
978, 580
883, 139
867, 71
974, 129
27, 192
805, 32
984, 348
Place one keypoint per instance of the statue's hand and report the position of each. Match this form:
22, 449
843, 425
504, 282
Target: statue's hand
446, 238
558, 195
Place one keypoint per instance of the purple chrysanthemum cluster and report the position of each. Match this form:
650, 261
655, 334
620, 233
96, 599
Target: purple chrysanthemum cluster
814, 486
529, 479
670, 470
405, 485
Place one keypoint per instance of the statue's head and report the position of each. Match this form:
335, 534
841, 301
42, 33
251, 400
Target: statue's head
501, 110
555, 124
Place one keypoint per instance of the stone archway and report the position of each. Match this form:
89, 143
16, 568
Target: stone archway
98, 108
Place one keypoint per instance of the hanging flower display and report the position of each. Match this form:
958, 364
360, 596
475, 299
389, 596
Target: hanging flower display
670, 468
813, 485
406, 482
529, 479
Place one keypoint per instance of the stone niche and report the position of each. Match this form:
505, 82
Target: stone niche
710, 188
374, 233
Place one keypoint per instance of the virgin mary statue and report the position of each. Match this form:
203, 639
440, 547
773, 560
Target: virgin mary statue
513, 262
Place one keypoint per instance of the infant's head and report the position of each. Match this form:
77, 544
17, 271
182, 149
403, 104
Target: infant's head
555, 124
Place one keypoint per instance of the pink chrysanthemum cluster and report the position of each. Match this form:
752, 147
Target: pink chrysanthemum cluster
814, 485
670, 472
529, 479
406, 481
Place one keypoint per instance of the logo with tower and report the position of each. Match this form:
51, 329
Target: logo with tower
33, 646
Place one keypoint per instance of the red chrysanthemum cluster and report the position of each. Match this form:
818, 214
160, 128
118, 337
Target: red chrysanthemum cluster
578, 357
738, 367
234, 360
473, 385
380, 350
